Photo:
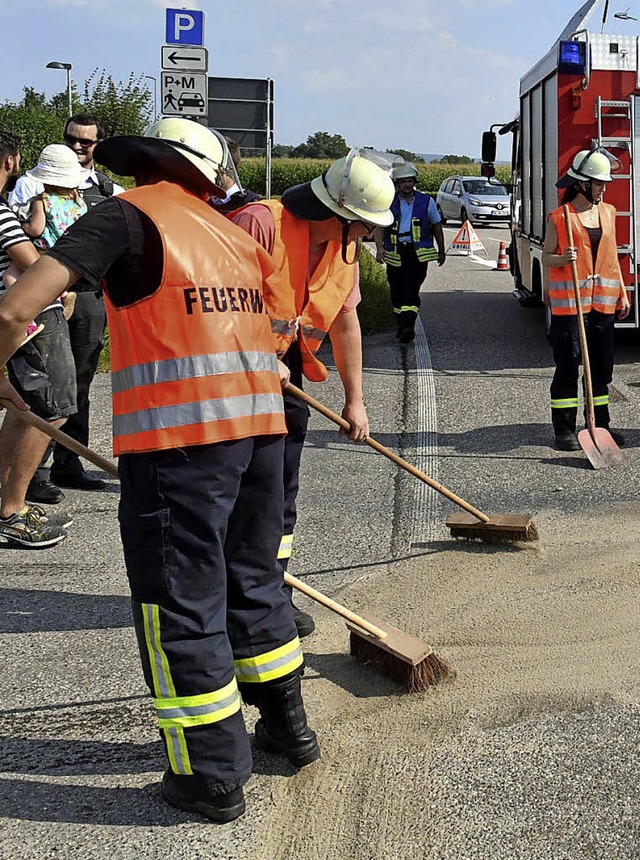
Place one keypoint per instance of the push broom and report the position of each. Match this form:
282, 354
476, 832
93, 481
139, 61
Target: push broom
492, 528
399, 655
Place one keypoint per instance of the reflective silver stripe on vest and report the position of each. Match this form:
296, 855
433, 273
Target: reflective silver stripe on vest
288, 328
313, 333
608, 301
190, 367
570, 303
198, 412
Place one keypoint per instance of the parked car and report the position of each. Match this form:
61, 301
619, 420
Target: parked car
473, 198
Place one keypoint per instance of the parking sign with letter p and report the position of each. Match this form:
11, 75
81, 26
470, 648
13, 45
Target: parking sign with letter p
185, 27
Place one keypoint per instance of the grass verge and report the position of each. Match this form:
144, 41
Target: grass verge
374, 311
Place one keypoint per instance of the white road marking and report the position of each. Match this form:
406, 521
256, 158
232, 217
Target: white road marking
426, 509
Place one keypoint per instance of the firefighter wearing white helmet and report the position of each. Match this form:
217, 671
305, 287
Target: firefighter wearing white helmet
313, 234
198, 425
407, 246
602, 290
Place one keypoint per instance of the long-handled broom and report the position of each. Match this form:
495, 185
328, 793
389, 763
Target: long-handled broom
493, 528
400, 656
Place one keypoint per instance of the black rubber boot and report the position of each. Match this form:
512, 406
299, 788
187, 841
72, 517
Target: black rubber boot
193, 794
567, 442
282, 727
305, 625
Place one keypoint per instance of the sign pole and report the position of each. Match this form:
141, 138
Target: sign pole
269, 137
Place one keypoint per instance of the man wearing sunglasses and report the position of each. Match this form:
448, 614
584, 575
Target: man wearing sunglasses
86, 326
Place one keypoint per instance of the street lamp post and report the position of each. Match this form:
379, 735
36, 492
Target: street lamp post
155, 95
67, 67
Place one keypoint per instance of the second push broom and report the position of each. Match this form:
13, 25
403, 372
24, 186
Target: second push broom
403, 657
492, 528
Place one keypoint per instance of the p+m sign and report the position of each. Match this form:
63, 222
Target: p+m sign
184, 65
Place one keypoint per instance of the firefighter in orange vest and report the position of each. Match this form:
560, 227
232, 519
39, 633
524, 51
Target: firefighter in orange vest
602, 293
313, 234
198, 426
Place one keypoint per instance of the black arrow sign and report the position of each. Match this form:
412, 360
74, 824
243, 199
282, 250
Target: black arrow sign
175, 58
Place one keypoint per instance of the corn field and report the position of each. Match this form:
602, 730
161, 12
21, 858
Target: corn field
286, 172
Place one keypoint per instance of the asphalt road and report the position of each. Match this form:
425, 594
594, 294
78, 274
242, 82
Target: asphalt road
80, 758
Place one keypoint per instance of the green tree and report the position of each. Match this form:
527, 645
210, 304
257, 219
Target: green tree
32, 119
281, 150
454, 159
408, 155
123, 108
321, 145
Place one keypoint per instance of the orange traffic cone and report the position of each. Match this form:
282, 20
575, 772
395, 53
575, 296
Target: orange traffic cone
503, 264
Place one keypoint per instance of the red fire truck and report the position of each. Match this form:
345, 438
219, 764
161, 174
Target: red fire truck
584, 92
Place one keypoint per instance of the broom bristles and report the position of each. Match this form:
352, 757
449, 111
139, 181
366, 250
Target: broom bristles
415, 679
490, 535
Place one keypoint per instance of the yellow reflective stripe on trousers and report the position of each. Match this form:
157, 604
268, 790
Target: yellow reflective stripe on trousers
273, 664
602, 400
567, 403
411, 308
163, 687
200, 710
286, 546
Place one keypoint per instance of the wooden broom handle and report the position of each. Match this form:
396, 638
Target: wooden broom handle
334, 607
588, 389
381, 449
28, 417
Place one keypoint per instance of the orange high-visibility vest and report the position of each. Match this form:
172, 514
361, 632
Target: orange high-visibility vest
299, 308
194, 362
600, 285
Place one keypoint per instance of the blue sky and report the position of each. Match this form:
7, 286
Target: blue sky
425, 75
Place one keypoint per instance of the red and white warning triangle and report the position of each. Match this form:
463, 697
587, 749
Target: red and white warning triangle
467, 240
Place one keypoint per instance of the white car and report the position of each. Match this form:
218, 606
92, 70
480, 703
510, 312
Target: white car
474, 199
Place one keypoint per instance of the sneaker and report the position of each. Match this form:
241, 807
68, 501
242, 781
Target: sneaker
32, 330
26, 529
43, 493
62, 521
192, 794
567, 442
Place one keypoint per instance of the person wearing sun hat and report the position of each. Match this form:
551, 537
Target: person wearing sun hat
603, 293
313, 234
60, 204
82, 132
41, 376
198, 428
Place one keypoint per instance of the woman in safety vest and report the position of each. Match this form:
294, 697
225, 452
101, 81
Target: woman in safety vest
198, 425
313, 235
602, 293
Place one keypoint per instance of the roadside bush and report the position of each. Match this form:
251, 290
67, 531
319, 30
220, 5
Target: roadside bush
374, 311
286, 172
